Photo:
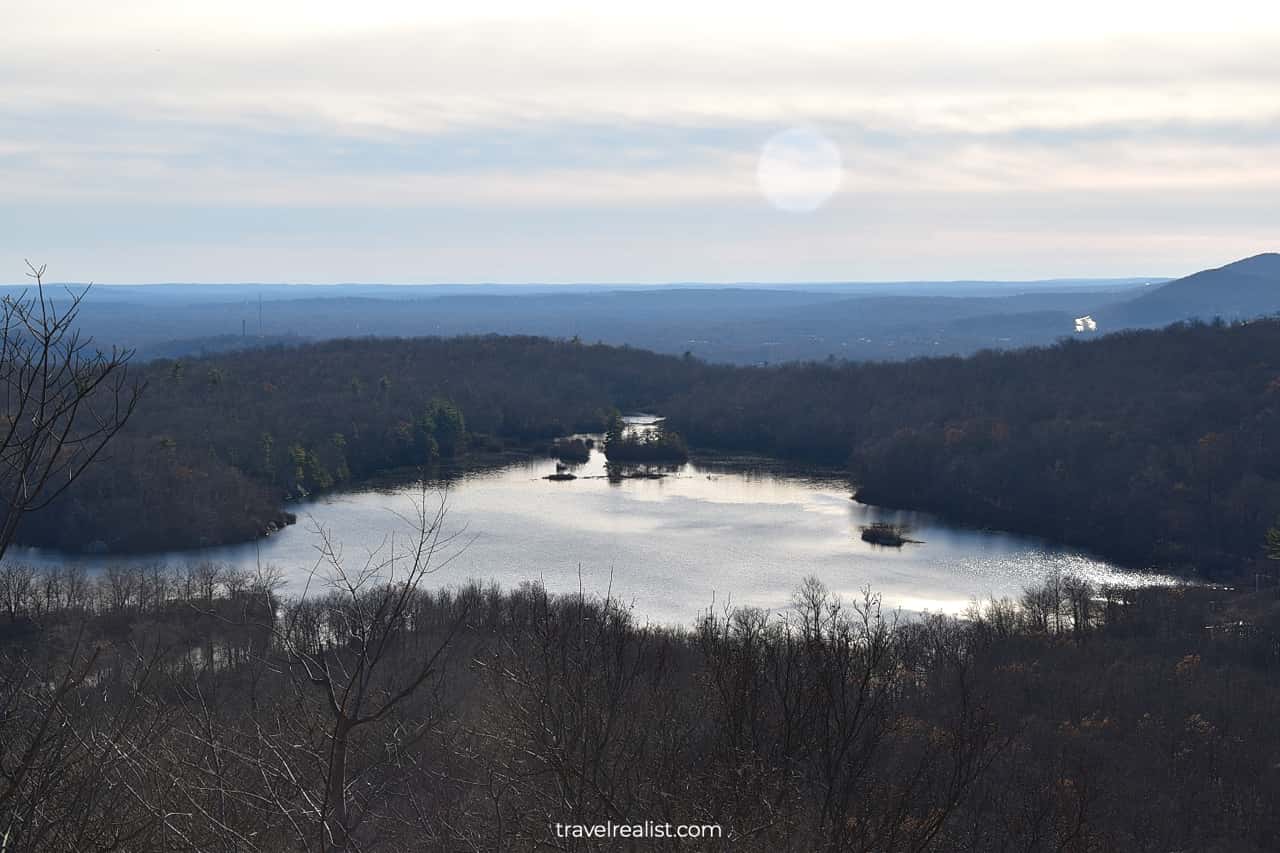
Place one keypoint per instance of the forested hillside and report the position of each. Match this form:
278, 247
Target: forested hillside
218, 443
1149, 447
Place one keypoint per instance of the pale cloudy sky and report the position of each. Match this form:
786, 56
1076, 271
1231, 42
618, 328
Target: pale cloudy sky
322, 141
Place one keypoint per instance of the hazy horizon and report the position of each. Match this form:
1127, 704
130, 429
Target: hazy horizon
51, 280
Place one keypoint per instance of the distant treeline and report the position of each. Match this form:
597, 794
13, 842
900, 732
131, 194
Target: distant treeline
1158, 447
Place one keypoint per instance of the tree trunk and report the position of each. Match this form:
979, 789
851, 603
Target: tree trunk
335, 822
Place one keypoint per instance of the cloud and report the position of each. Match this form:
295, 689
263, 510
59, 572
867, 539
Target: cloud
390, 107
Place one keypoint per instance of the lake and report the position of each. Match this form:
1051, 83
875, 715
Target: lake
741, 532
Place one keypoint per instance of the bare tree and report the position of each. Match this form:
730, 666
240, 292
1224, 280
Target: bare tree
342, 690
64, 400
368, 624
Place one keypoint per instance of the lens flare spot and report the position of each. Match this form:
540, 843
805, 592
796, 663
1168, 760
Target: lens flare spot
799, 170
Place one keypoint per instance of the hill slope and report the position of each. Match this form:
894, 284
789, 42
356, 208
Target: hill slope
1241, 290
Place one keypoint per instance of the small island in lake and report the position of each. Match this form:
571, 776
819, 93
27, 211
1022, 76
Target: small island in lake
562, 473
654, 444
884, 533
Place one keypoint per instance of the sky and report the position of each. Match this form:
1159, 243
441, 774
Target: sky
389, 141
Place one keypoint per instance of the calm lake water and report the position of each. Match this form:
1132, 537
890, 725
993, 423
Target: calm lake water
734, 532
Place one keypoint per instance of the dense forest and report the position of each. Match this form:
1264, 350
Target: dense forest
147, 711
1154, 447
218, 443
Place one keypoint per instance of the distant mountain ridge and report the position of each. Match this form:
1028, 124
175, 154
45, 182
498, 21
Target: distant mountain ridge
739, 324
1237, 291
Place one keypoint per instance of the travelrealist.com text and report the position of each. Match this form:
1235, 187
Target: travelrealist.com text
646, 829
